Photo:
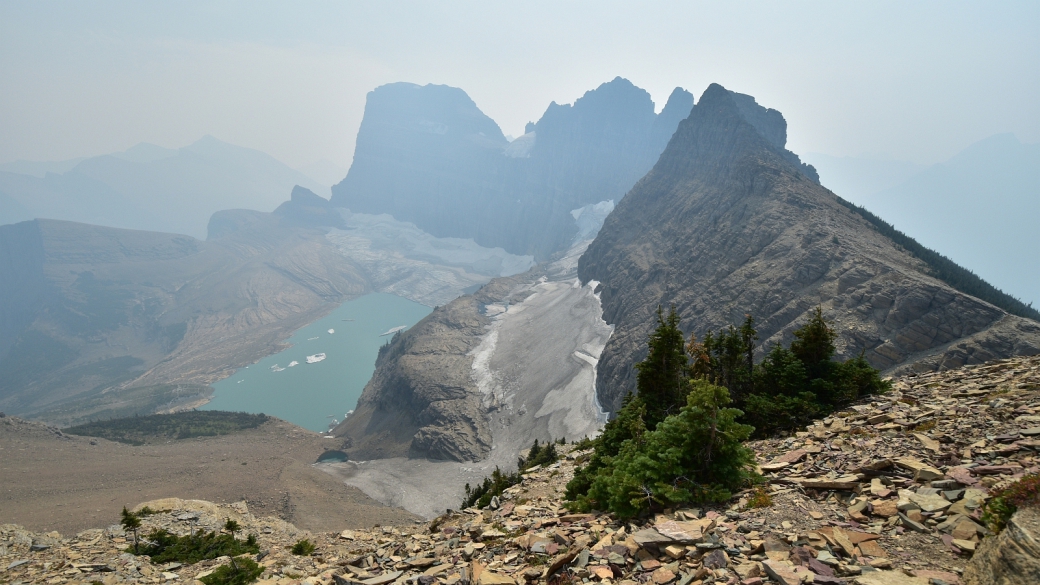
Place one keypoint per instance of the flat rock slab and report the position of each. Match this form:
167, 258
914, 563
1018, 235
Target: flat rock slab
930, 503
792, 456
383, 579
889, 578
688, 532
490, 578
928, 442
824, 484
650, 536
781, 573
996, 470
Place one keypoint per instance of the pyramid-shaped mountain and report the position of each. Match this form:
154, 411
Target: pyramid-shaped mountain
728, 223
428, 155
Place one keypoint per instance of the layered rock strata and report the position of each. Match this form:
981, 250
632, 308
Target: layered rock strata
730, 223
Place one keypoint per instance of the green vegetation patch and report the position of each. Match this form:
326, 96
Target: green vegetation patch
1003, 505
102, 404
680, 440
303, 548
238, 571
139, 430
164, 547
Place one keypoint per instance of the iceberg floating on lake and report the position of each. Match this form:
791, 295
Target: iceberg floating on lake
331, 331
293, 363
313, 359
394, 330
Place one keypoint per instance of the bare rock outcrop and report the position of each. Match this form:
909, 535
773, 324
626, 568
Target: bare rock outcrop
1010, 558
422, 400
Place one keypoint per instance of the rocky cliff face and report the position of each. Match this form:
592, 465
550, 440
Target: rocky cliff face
422, 399
730, 223
428, 155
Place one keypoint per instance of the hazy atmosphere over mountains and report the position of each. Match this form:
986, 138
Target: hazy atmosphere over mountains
375, 251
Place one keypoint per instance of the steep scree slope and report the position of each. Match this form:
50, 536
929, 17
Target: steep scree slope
729, 223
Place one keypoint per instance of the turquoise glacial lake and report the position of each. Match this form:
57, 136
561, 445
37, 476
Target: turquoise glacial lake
313, 394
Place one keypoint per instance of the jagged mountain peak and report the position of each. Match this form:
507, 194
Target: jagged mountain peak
726, 124
433, 110
429, 156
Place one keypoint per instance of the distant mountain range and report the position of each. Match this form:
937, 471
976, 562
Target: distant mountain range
428, 155
149, 187
978, 208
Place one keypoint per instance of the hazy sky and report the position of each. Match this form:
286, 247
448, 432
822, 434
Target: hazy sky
916, 81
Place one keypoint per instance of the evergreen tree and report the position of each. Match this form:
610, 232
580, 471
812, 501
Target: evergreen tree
232, 527
131, 522
729, 357
694, 456
662, 375
813, 345
626, 426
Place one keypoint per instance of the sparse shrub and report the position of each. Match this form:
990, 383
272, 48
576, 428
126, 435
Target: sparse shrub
538, 455
791, 386
583, 444
678, 440
239, 571
759, 498
165, 547
926, 425
491, 487
303, 548
1022, 493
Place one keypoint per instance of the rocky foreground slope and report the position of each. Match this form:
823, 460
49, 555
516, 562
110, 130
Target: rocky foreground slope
886, 493
730, 223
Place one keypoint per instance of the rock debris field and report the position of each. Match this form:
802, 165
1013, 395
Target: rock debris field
887, 492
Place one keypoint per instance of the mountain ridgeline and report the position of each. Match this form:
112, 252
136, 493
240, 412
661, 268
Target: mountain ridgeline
99, 322
149, 187
428, 155
730, 223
